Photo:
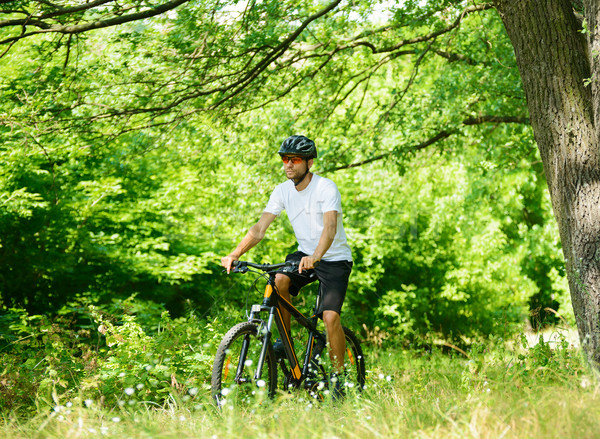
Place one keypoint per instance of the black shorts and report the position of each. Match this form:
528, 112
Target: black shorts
333, 279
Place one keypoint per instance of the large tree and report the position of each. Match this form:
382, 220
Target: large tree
226, 58
558, 57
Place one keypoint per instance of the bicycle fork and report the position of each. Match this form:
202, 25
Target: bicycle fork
265, 343
265, 330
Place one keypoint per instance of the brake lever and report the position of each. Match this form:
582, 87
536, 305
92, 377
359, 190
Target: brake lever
293, 267
236, 270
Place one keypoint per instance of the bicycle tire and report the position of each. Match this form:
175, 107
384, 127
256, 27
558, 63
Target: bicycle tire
225, 384
354, 362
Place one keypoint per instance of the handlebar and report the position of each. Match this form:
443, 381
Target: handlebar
242, 266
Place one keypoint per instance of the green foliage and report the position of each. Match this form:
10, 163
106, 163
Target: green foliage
439, 251
135, 367
140, 357
41, 357
409, 393
134, 157
548, 358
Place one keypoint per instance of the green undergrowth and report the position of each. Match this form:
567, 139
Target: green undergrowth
496, 388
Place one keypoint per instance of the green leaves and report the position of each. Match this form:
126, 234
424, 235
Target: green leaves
135, 156
21, 203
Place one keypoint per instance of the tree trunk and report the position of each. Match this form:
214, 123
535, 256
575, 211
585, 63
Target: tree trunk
553, 56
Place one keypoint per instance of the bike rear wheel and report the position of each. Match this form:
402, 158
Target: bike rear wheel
353, 379
234, 368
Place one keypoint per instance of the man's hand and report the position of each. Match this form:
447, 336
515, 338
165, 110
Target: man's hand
308, 262
253, 237
227, 262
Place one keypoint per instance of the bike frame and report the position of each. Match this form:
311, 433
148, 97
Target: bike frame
272, 304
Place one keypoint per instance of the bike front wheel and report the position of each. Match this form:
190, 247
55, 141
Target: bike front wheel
234, 374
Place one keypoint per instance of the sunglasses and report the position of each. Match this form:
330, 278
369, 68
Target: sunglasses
294, 160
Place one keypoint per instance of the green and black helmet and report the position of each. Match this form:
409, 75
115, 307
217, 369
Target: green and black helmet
298, 145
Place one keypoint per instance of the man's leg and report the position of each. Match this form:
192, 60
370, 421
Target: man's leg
283, 282
336, 338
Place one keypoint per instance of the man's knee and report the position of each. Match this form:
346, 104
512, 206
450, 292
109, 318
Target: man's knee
331, 319
282, 279
282, 282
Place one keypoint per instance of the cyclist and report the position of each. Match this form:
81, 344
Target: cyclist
313, 205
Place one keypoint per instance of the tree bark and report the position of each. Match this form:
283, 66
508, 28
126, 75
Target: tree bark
554, 59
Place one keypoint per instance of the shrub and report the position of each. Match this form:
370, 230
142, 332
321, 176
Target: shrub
125, 353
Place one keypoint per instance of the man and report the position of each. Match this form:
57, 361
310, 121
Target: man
314, 207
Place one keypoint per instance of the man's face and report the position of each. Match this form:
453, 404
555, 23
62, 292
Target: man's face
295, 167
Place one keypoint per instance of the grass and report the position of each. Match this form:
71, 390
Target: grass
541, 391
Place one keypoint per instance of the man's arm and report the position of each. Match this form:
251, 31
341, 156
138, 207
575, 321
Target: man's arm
253, 237
325, 241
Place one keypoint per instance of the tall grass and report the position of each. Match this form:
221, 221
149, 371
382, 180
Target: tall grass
541, 391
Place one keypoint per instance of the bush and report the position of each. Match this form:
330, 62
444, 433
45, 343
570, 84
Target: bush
175, 361
112, 355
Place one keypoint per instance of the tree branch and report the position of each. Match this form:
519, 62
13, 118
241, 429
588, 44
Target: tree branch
496, 119
433, 35
444, 134
275, 53
230, 90
453, 57
80, 28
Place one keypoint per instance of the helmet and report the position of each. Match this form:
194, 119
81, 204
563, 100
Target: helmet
298, 145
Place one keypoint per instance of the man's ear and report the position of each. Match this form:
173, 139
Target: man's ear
309, 163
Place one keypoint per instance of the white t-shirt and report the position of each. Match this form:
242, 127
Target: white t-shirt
305, 210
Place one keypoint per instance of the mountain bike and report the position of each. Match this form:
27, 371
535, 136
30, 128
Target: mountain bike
245, 363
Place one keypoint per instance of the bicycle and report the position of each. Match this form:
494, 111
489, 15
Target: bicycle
245, 361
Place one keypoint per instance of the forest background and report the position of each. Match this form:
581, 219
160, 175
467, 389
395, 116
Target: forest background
134, 156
